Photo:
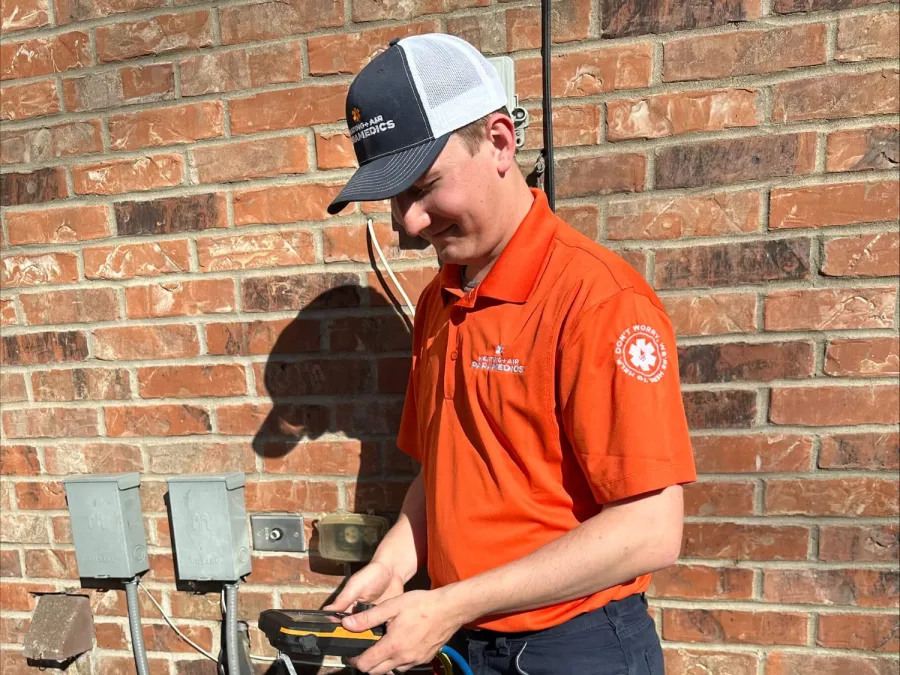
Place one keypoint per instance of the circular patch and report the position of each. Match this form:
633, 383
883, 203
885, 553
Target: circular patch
641, 353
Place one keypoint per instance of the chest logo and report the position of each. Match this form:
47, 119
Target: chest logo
641, 353
498, 362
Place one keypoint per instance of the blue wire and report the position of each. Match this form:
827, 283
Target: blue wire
457, 659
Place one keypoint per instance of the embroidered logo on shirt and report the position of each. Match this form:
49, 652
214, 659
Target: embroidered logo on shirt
641, 353
498, 363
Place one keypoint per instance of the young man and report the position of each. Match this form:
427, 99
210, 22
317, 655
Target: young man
543, 402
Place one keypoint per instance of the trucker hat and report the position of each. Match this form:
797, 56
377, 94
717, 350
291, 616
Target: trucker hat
403, 106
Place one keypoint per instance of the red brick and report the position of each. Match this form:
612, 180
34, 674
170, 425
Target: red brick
75, 306
287, 108
414, 282
376, 417
167, 126
735, 160
572, 125
291, 495
681, 113
164, 33
19, 596
697, 582
292, 421
13, 630
43, 185
45, 56
67, 459
110, 636
486, 31
33, 348
859, 543
350, 243
304, 600
870, 36
206, 296
161, 638
201, 458
58, 226
126, 261
24, 14
606, 174
349, 52
872, 633
686, 216
12, 388
196, 606
161, 420
42, 145
72, 10
286, 336
282, 248
583, 218
146, 342
153, 81
346, 458
829, 406
80, 384
19, 460
233, 162
790, 6
744, 53
833, 96
738, 541
745, 361
50, 422
589, 72
128, 175
386, 333
51, 564
712, 314
8, 312
751, 454
378, 10
863, 357
757, 628
10, 566
860, 451
830, 309
684, 661
334, 151
381, 496
719, 499
571, 22
835, 497
830, 205
122, 665
867, 255
859, 588
873, 148
270, 20
191, 381
114, 88
283, 204
621, 18
62, 529
34, 99
240, 69
171, 214
314, 377
285, 570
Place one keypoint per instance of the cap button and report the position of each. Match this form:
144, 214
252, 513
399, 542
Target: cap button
394, 42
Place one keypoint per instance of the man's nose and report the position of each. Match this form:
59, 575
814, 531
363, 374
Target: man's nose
410, 216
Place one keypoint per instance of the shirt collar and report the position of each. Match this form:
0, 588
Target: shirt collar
513, 275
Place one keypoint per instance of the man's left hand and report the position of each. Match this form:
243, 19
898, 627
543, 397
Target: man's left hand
419, 623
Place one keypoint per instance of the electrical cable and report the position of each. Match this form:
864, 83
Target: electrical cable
174, 627
387, 267
547, 105
457, 658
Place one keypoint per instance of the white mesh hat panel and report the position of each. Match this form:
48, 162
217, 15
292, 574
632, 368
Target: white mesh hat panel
456, 83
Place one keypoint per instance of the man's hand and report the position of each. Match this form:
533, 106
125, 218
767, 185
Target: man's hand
374, 583
419, 623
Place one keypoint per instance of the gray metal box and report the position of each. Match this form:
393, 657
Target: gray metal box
210, 534
106, 525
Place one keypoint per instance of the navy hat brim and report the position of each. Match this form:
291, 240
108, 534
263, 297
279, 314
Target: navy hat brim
388, 176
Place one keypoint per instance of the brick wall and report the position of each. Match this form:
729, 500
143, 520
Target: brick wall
176, 300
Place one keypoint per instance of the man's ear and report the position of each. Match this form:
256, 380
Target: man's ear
501, 134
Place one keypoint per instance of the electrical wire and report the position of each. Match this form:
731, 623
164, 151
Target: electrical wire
174, 627
547, 105
387, 267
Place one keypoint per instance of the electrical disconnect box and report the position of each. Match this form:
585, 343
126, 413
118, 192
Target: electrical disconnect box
209, 526
106, 525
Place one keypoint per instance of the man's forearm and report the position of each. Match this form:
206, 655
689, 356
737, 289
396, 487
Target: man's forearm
403, 548
624, 541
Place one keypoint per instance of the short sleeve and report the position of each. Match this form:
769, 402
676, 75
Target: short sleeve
620, 398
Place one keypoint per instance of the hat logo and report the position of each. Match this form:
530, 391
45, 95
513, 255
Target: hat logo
356, 115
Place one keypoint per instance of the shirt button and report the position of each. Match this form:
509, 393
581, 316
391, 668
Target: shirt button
454, 355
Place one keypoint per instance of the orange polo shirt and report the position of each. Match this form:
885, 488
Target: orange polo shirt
544, 393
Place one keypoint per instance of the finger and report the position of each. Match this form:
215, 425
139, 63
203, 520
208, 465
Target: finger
369, 618
349, 594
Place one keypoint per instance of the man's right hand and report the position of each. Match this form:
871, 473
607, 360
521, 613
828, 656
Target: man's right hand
373, 584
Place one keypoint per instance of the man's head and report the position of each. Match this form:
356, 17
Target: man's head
431, 131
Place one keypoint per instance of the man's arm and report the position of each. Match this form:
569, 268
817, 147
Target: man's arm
404, 547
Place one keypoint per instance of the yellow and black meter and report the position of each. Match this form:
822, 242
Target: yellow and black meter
305, 633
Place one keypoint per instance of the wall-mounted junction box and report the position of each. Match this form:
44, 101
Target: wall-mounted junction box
506, 69
209, 526
106, 525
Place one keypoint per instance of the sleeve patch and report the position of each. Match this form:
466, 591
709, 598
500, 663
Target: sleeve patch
642, 354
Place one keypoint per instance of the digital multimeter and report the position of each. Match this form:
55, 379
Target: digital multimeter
304, 633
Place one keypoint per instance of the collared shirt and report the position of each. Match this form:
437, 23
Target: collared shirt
547, 391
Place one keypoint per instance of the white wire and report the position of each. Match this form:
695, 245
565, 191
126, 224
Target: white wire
387, 267
172, 625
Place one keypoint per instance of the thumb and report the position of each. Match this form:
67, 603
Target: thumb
374, 616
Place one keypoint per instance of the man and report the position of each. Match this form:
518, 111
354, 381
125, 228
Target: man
543, 402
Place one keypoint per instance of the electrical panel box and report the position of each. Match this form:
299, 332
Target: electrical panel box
209, 526
107, 526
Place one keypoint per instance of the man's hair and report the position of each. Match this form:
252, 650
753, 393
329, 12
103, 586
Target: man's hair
472, 135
